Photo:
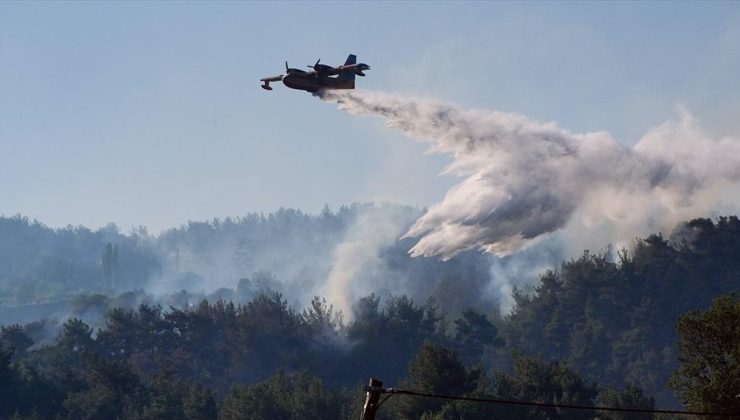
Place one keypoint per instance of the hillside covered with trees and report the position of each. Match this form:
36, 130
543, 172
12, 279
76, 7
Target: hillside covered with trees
287, 251
630, 331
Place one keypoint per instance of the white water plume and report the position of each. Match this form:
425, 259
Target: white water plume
523, 180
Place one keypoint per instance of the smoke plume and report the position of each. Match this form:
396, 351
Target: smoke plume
522, 180
356, 260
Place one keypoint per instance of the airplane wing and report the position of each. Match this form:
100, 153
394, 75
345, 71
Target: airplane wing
266, 81
272, 79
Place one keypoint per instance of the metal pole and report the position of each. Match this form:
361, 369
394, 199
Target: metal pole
374, 388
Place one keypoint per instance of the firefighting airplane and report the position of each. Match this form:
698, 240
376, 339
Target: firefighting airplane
321, 77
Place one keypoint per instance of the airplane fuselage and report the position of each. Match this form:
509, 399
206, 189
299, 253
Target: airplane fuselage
311, 82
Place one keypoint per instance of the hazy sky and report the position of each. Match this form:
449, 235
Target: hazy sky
151, 114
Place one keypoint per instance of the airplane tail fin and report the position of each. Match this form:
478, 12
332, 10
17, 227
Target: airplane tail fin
349, 75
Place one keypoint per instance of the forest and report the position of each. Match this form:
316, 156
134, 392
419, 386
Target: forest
100, 324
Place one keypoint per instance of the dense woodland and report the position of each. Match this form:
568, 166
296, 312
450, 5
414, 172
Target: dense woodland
639, 330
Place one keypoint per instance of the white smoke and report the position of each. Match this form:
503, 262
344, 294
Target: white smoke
523, 180
357, 257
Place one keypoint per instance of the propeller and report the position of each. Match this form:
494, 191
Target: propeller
315, 65
289, 70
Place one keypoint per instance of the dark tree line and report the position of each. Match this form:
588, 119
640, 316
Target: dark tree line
150, 364
269, 361
616, 321
596, 331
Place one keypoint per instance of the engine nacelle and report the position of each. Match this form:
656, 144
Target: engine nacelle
323, 68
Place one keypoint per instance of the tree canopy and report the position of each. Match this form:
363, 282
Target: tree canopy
709, 350
599, 329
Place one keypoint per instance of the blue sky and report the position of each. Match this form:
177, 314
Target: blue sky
144, 113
